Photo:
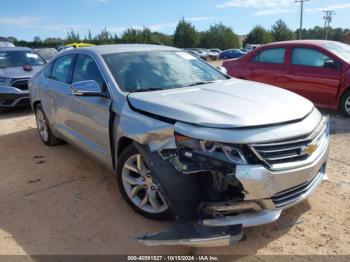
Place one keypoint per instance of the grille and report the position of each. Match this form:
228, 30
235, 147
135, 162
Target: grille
20, 84
291, 195
286, 151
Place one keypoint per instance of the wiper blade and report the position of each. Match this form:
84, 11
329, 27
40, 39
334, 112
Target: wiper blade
200, 83
148, 89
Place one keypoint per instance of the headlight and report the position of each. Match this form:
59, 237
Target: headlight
5, 80
219, 151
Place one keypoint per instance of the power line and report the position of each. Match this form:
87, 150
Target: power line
301, 14
327, 20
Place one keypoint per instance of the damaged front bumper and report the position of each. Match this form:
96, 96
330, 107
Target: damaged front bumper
266, 192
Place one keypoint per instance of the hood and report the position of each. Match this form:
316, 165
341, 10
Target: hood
18, 72
225, 104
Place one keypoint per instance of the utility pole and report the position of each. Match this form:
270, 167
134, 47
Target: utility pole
327, 20
301, 14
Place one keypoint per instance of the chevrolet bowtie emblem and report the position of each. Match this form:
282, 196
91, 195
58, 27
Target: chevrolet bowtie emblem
309, 149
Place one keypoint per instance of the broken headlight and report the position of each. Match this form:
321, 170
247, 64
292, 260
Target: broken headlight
210, 149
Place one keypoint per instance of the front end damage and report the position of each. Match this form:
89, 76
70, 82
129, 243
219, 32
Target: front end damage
214, 189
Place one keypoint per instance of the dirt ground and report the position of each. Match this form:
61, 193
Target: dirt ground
56, 200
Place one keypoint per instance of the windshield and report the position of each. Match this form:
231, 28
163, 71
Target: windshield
147, 71
339, 49
20, 58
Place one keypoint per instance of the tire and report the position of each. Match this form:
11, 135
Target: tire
345, 104
130, 179
44, 129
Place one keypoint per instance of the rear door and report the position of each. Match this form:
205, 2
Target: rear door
268, 66
308, 76
88, 117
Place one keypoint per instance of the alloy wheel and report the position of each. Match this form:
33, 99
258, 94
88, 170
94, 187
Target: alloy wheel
139, 186
42, 125
347, 105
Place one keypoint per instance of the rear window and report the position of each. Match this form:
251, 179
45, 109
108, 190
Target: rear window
274, 56
62, 68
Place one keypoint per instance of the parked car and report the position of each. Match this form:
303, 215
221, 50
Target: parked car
316, 69
251, 47
211, 55
17, 66
5, 42
46, 53
183, 139
231, 53
199, 52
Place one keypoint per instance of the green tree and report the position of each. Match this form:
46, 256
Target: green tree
258, 35
37, 39
219, 36
72, 36
185, 34
281, 32
104, 37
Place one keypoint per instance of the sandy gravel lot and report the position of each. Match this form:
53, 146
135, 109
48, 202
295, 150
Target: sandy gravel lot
58, 201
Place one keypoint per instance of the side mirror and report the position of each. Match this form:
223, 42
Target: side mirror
86, 88
222, 69
330, 64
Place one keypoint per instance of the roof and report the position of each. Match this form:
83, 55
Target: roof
15, 49
310, 42
121, 48
4, 39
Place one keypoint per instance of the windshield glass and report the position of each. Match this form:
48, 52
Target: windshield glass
147, 71
339, 49
20, 58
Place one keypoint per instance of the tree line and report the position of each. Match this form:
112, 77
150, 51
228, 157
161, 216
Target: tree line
187, 36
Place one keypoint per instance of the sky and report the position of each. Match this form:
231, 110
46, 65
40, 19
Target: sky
25, 19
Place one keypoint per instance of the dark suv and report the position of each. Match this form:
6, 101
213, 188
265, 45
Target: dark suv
17, 66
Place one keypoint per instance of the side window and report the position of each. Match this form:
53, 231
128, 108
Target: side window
308, 57
86, 69
48, 70
62, 68
273, 55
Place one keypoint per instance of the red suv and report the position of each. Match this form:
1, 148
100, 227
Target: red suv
316, 69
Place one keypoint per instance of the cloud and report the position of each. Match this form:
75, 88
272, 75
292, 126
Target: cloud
256, 3
37, 23
160, 26
19, 20
273, 12
201, 18
335, 6
97, 2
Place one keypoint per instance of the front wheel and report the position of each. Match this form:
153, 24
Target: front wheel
137, 186
345, 104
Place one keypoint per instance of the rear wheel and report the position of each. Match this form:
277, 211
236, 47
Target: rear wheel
345, 104
137, 186
44, 129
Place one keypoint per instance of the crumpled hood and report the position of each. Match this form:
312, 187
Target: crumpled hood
18, 72
226, 104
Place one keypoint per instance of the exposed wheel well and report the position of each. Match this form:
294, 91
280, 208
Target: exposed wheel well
35, 104
343, 94
122, 144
